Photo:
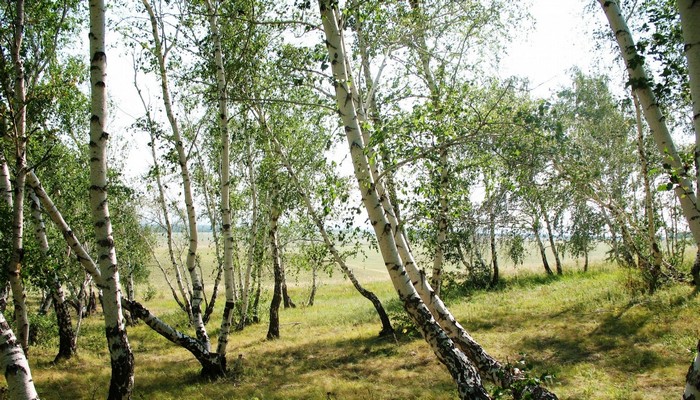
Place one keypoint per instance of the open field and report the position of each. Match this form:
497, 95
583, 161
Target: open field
598, 339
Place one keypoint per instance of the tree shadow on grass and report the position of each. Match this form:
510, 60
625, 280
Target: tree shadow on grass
308, 371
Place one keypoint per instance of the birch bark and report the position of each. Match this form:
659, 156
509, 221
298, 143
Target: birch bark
186, 304
121, 357
689, 11
462, 370
19, 136
245, 296
66, 335
14, 365
197, 284
641, 85
225, 181
273, 331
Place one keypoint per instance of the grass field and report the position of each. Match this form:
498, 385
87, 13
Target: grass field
597, 337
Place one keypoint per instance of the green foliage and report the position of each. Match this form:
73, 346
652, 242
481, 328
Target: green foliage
43, 329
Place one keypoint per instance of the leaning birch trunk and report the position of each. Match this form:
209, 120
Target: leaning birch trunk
462, 370
387, 329
197, 284
273, 331
67, 339
14, 267
641, 85
689, 11
14, 365
211, 365
656, 256
245, 296
225, 183
186, 304
487, 365
552, 243
540, 246
121, 357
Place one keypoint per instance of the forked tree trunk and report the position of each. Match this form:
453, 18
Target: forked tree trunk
196, 279
553, 244
185, 304
121, 357
462, 370
14, 365
273, 331
212, 365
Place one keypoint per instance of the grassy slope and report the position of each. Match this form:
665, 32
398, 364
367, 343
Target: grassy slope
600, 342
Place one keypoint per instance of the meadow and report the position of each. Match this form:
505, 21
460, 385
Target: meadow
592, 335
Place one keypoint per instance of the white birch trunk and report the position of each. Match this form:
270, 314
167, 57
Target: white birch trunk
225, 181
245, 296
19, 136
14, 365
488, 367
656, 256
5, 185
462, 370
67, 338
689, 11
186, 304
641, 85
197, 284
121, 357
76, 248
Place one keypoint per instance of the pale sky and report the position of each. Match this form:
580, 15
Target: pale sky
562, 38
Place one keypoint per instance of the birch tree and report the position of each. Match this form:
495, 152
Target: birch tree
462, 370
18, 109
14, 365
641, 85
121, 357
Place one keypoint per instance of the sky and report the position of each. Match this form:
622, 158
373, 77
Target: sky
561, 38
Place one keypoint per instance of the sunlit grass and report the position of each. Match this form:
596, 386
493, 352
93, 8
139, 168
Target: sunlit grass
599, 340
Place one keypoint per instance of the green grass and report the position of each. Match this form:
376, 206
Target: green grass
599, 340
